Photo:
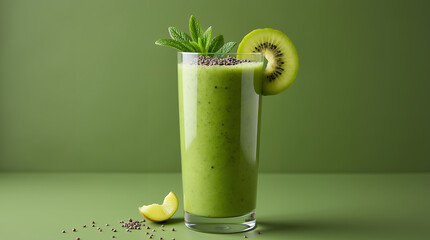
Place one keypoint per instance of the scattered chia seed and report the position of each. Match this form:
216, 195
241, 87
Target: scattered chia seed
113, 236
98, 228
143, 220
244, 236
147, 233
153, 230
78, 239
162, 229
210, 61
162, 225
130, 220
132, 225
148, 228
173, 239
84, 226
160, 238
93, 222
93, 225
64, 231
121, 221
74, 229
107, 224
258, 232
114, 230
173, 229
127, 230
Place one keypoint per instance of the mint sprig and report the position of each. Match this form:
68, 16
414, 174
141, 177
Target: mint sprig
199, 41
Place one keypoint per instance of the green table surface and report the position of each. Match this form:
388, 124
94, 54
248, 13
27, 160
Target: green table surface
290, 206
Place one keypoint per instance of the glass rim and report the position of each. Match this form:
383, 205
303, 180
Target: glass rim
197, 53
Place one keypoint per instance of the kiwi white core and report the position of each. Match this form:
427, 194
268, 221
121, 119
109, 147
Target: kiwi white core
271, 61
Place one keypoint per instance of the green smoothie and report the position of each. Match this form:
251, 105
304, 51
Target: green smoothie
219, 110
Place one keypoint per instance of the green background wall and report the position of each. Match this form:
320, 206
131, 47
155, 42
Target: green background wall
84, 88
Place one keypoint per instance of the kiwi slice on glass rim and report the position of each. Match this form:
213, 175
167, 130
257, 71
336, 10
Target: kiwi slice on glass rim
282, 59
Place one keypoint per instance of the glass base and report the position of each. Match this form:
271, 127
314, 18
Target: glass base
220, 225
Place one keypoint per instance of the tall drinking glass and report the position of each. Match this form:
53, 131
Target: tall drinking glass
219, 112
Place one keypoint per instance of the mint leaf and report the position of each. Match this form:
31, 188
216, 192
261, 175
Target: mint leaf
216, 43
190, 45
174, 44
202, 47
196, 30
207, 38
196, 47
179, 35
226, 48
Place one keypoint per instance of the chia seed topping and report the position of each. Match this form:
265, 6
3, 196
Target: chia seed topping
210, 61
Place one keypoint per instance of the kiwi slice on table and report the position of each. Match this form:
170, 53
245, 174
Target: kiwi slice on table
281, 55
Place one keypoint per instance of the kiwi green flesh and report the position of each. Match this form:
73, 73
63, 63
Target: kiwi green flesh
281, 55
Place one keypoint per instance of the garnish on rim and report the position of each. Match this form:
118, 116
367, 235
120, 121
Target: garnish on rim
199, 41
